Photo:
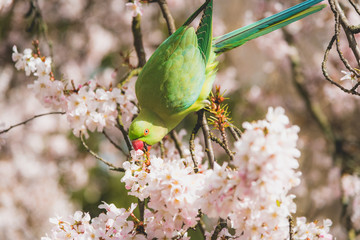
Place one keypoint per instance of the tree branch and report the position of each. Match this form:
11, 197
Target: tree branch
177, 142
138, 42
206, 131
167, 16
114, 143
222, 224
234, 133
129, 75
337, 10
112, 167
192, 142
125, 134
350, 30
162, 149
355, 6
28, 120
291, 227
222, 144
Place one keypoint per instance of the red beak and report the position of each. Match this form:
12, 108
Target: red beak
140, 145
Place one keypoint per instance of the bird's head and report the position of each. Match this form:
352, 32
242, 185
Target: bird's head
146, 130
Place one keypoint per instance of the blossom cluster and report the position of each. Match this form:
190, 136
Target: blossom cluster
313, 230
251, 192
92, 108
173, 188
88, 106
254, 195
48, 90
113, 224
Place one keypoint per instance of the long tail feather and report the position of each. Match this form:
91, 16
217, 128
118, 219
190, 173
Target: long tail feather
242, 35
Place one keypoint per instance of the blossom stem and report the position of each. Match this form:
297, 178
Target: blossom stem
135, 218
178, 143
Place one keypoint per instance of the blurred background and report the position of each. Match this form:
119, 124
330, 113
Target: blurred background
44, 169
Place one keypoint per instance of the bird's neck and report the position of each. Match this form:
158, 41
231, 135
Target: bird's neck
158, 125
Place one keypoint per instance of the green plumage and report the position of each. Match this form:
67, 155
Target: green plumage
174, 79
179, 76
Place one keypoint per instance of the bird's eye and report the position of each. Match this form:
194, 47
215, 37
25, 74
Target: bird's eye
146, 132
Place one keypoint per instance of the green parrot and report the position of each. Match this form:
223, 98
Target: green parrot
178, 77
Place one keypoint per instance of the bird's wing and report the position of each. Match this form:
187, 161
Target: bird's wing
171, 80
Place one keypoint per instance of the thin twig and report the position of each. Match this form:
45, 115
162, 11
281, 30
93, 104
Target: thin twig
113, 143
222, 224
234, 133
112, 166
39, 23
167, 16
141, 209
236, 129
129, 75
326, 74
335, 7
162, 149
340, 19
28, 120
192, 143
226, 143
138, 42
206, 132
178, 143
125, 134
223, 145
291, 227
355, 6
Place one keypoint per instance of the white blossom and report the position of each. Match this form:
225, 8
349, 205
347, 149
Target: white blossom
349, 76
24, 61
312, 230
135, 7
89, 107
113, 224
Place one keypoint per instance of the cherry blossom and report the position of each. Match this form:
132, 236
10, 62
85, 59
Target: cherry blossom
90, 107
113, 224
349, 76
135, 7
